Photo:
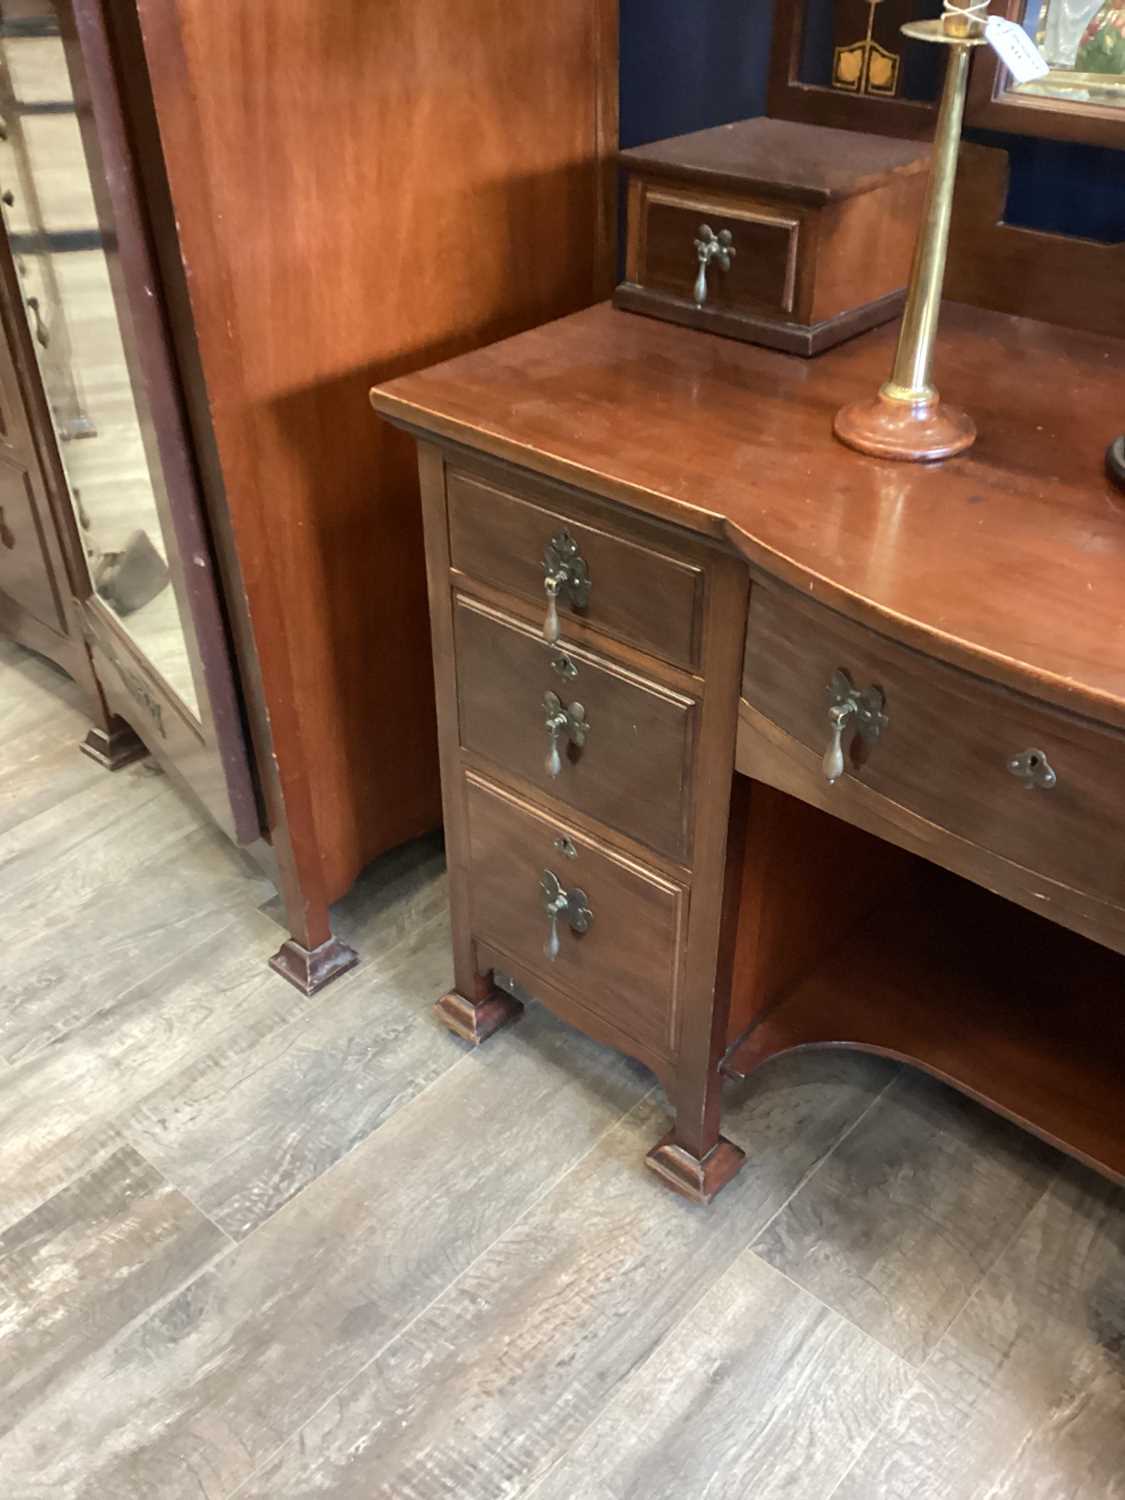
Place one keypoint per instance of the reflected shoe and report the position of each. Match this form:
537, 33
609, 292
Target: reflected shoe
130, 579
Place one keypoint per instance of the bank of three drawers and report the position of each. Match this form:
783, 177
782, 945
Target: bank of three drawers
586, 865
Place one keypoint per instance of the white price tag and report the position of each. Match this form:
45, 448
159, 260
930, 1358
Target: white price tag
1015, 49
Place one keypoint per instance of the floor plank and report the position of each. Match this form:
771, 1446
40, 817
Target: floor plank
253, 1121
489, 1386
1024, 1398
72, 954
761, 1391
119, 1225
905, 1218
192, 1399
54, 1107
95, 816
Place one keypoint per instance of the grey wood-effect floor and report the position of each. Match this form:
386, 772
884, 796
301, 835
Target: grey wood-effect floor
261, 1246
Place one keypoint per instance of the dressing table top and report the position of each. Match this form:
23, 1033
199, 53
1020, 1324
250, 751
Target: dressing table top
1009, 560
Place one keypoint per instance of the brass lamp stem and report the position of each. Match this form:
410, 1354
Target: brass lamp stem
911, 377
907, 419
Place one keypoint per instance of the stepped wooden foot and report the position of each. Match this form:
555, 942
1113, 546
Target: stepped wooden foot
310, 969
113, 748
475, 1021
697, 1178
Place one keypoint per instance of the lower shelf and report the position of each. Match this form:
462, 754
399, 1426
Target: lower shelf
1007, 1007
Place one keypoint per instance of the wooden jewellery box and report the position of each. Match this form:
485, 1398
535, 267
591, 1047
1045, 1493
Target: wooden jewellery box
789, 235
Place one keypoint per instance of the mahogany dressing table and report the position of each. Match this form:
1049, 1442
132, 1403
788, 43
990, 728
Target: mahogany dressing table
818, 749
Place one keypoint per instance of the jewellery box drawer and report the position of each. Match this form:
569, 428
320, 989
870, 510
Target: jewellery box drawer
1024, 780
620, 748
634, 591
759, 276
625, 965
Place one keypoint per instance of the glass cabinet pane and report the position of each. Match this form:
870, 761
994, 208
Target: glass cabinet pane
60, 225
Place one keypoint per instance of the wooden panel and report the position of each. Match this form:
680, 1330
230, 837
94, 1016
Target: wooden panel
640, 594
949, 739
634, 772
1073, 282
627, 966
763, 272
398, 182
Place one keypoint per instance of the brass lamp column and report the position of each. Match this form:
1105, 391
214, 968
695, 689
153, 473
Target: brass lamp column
908, 419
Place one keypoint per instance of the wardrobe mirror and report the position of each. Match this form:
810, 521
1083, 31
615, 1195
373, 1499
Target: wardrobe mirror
60, 223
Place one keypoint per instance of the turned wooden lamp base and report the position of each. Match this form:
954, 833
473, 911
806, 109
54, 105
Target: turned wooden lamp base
1115, 461
912, 431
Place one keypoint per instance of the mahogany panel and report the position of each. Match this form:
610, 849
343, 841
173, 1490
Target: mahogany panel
627, 967
634, 772
1076, 283
335, 227
639, 593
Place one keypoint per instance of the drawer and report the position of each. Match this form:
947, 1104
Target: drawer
762, 274
633, 771
949, 742
637, 593
626, 967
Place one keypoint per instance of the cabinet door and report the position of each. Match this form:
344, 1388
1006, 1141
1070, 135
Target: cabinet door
110, 403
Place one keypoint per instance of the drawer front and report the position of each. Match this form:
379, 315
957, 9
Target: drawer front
762, 274
637, 593
626, 966
633, 771
948, 744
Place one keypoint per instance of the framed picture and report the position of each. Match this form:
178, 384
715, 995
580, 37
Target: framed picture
1083, 96
846, 63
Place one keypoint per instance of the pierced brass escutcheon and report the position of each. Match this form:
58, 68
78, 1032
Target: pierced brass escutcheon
1034, 769
558, 902
847, 705
565, 572
561, 720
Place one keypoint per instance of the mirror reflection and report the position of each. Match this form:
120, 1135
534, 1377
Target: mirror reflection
83, 338
1084, 43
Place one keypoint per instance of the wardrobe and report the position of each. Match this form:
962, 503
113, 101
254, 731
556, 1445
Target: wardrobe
223, 223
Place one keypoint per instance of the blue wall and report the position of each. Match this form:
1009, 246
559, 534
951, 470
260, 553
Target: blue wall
689, 64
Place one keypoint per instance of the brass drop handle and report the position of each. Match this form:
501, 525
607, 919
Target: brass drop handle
711, 247
1034, 769
559, 902
560, 720
847, 705
564, 572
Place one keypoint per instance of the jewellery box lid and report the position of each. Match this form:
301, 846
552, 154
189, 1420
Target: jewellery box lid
805, 163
